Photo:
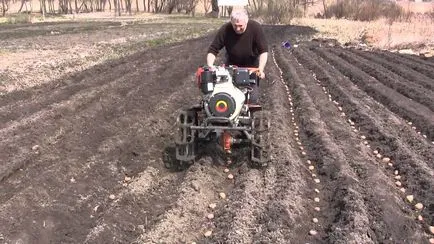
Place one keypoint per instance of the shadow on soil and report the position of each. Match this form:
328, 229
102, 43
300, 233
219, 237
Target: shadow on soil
209, 153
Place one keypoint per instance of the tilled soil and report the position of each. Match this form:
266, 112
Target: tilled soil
84, 159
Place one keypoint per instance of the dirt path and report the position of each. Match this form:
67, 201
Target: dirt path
83, 157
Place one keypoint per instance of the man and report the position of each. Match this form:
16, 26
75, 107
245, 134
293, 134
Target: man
244, 41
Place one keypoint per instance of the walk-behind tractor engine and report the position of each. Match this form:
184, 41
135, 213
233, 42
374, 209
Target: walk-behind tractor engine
225, 115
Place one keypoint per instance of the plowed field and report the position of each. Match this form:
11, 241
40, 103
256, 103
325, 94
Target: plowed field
86, 159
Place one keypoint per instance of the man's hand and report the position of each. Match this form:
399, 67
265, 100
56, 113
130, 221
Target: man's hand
210, 58
261, 74
262, 61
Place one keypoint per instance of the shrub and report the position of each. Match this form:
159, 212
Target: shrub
431, 14
20, 18
278, 12
365, 10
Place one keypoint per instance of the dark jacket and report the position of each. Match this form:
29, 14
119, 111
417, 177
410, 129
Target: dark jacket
242, 49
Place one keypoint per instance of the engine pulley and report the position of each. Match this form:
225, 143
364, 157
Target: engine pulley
222, 105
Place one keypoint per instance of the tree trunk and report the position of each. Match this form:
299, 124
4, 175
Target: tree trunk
70, 7
43, 10
206, 6
116, 7
51, 6
214, 9
4, 8
255, 7
128, 6
21, 7
325, 8
119, 7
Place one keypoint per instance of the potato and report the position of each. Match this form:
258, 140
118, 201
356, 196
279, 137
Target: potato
431, 229
419, 206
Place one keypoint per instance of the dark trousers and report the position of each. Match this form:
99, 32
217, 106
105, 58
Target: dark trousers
254, 94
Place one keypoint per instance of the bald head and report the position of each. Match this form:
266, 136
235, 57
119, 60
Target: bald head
239, 19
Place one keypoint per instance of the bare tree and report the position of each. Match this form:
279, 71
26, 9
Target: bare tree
69, 6
150, 4
256, 6
171, 5
23, 2
305, 4
128, 6
281, 11
117, 4
51, 6
324, 4
214, 8
188, 6
43, 8
206, 5
159, 5
4, 7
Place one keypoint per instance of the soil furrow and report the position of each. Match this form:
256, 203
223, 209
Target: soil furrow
409, 75
423, 117
359, 204
335, 174
407, 88
20, 104
185, 219
286, 216
112, 112
103, 171
74, 104
137, 67
354, 99
109, 107
412, 156
128, 162
416, 64
236, 221
428, 61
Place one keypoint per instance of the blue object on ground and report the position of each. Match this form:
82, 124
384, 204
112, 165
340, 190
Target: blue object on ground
286, 44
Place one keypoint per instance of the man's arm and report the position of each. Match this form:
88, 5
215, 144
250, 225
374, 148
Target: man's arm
216, 45
262, 45
262, 62
210, 58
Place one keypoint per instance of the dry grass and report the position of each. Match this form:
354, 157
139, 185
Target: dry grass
378, 34
70, 52
416, 7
